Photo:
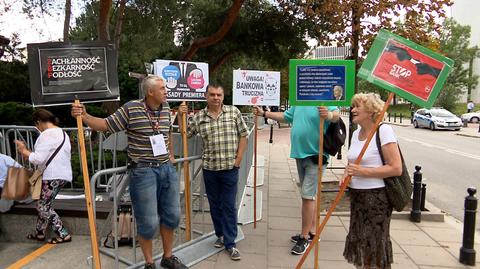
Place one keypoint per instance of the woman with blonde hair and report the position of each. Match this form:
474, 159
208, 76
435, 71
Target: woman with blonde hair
368, 242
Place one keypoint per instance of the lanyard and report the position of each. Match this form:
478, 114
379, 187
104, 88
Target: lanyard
155, 126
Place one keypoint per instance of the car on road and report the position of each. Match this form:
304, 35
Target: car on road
436, 118
471, 117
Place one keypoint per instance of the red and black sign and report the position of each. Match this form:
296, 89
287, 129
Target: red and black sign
408, 69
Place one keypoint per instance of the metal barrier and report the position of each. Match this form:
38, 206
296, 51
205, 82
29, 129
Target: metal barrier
108, 178
198, 194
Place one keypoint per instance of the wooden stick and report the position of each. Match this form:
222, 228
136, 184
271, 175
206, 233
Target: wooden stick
88, 193
186, 174
319, 185
255, 175
346, 181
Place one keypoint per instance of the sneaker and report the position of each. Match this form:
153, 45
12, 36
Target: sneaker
300, 247
234, 254
172, 262
150, 266
218, 243
295, 238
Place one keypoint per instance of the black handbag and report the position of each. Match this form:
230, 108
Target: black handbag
398, 188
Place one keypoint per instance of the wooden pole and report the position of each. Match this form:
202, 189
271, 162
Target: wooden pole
319, 185
88, 193
346, 181
255, 175
186, 174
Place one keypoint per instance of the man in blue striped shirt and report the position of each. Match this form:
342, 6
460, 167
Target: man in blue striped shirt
154, 184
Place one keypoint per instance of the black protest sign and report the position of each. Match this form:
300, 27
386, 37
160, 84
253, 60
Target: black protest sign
62, 72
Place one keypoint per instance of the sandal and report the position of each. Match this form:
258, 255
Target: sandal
36, 237
60, 240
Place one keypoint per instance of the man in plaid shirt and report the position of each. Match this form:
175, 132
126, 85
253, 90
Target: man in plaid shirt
224, 134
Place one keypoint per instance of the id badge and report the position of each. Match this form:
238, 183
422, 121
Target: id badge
158, 145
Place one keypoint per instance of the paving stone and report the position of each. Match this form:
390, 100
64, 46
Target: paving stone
282, 223
430, 255
444, 234
284, 202
406, 237
255, 244
248, 261
402, 224
281, 211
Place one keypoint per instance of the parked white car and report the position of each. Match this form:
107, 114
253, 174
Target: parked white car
471, 117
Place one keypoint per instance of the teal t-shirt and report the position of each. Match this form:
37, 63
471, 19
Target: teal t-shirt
304, 136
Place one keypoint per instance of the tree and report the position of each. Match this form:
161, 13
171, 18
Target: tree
203, 42
39, 7
358, 21
454, 43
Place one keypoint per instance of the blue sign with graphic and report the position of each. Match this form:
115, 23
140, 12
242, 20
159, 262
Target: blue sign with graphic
319, 82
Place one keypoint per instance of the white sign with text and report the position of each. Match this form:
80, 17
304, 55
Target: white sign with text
251, 87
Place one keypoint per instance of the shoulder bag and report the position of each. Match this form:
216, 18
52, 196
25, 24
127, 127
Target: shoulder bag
37, 177
398, 188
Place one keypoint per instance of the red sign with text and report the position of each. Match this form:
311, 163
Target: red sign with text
408, 69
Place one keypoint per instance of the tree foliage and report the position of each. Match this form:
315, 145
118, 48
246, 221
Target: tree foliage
454, 43
357, 22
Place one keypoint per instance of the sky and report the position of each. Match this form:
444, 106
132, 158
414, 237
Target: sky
39, 29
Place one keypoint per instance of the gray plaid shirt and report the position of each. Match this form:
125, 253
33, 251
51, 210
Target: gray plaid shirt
220, 136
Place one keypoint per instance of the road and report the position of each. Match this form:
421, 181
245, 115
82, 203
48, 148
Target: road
450, 164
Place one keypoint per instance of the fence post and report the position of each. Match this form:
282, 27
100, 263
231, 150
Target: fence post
401, 116
395, 117
416, 213
467, 252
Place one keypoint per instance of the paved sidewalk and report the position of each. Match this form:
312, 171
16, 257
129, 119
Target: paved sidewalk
415, 245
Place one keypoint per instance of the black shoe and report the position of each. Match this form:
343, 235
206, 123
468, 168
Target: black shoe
150, 266
295, 238
218, 243
234, 254
172, 262
300, 247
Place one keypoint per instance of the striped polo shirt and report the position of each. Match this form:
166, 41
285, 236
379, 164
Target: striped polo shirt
133, 118
220, 136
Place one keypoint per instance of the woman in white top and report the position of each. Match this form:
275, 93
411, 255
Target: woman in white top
368, 242
56, 174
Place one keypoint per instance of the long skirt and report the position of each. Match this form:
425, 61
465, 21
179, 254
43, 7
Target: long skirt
368, 241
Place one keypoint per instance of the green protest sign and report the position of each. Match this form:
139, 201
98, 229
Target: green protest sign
321, 82
405, 68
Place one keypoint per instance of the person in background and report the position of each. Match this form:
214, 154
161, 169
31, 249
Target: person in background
304, 139
368, 242
5, 162
154, 184
470, 106
224, 135
55, 176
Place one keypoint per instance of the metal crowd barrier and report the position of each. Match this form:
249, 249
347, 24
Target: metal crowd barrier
106, 179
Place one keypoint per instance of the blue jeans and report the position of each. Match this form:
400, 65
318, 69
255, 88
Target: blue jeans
155, 198
221, 189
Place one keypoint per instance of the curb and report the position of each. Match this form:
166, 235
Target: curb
467, 135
